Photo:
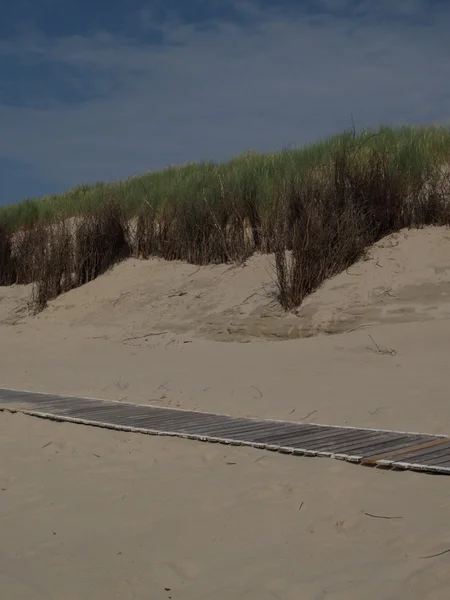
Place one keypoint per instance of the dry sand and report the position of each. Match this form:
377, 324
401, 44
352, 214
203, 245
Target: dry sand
88, 514
148, 514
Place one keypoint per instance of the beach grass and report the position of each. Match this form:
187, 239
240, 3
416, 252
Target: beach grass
316, 209
416, 151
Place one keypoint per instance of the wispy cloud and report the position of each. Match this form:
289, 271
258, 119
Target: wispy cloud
171, 87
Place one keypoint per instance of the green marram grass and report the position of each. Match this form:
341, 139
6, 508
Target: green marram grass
415, 150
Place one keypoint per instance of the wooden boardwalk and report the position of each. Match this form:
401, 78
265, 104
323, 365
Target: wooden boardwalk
379, 448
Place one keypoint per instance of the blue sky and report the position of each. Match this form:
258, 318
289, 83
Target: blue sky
95, 90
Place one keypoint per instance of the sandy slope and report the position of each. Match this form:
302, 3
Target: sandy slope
405, 279
148, 332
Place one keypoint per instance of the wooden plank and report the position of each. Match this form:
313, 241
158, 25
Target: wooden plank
358, 447
168, 420
398, 443
348, 439
85, 409
429, 453
344, 443
375, 458
234, 427
432, 459
211, 425
17, 396
291, 439
441, 461
308, 439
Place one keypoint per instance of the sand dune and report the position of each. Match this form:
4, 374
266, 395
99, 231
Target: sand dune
98, 514
404, 279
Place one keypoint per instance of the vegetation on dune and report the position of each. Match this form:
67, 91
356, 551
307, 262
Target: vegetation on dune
413, 150
325, 204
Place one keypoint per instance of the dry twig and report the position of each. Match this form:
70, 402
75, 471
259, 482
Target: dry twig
380, 516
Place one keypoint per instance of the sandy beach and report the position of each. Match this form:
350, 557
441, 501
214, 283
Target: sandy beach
93, 514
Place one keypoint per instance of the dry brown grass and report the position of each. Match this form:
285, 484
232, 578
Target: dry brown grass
329, 223
317, 225
100, 241
7, 266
